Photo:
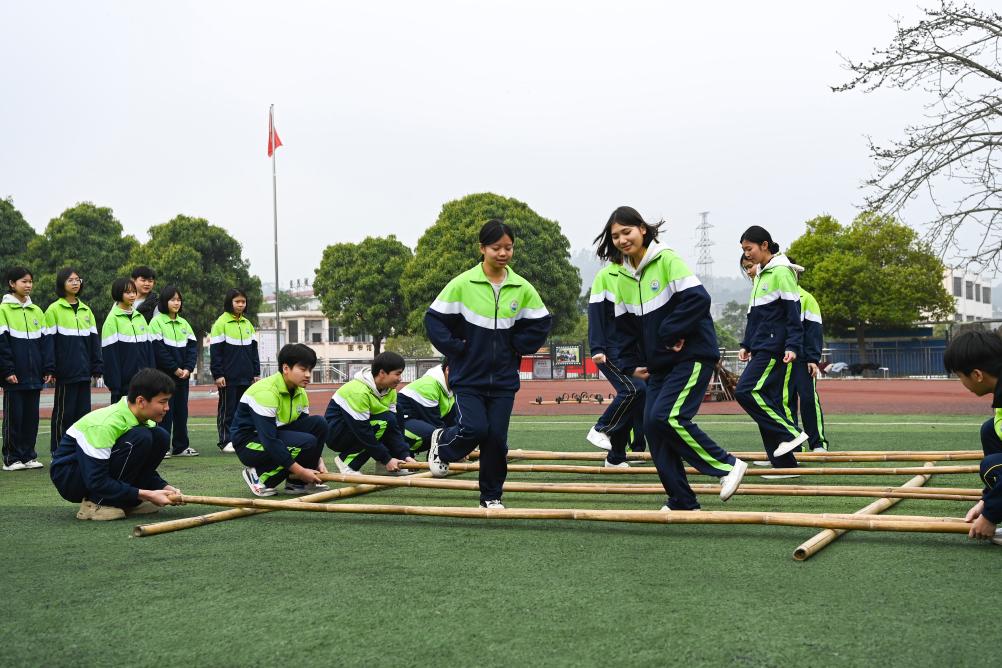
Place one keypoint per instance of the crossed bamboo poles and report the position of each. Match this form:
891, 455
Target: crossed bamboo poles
834, 525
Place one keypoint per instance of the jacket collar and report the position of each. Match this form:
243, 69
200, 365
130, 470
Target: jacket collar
653, 250
780, 260
439, 375
365, 375
11, 299
65, 304
117, 310
480, 277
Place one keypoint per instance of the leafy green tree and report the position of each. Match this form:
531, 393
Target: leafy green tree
16, 235
873, 273
359, 287
203, 261
451, 246
88, 238
288, 301
731, 324
411, 346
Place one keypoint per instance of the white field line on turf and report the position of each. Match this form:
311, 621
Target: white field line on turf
965, 425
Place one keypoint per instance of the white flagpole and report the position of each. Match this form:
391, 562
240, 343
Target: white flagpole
274, 191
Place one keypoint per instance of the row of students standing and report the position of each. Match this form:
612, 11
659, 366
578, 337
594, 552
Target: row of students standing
62, 346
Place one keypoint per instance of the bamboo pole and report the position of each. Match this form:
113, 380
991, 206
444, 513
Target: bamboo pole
828, 521
630, 488
842, 456
820, 541
637, 470
226, 515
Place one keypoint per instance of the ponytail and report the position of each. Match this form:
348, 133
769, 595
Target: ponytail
759, 235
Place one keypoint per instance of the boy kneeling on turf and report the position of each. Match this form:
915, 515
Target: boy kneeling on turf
362, 417
273, 433
425, 405
107, 461
976, 358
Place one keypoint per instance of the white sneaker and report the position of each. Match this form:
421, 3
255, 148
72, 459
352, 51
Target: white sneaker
761, 462
665, 508
789, 446
493, 504
33, 464
729, 483
438, 468
187, 452
998, 537
168, 455
256, 486
598, 439
300, 488
14, 466
620, 465
228, 448
819, 449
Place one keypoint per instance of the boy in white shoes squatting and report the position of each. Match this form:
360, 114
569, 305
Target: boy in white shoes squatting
425, 405
273, 433
362, 419
107, 461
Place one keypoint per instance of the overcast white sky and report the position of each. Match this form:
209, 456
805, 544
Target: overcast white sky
389, 109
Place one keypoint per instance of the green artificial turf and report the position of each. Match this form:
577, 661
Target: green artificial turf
323, 589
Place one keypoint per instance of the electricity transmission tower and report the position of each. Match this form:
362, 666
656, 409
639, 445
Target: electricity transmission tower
704, 263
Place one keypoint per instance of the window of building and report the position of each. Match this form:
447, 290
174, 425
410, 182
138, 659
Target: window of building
293, 331
977, 292
332, 333
970, 289
958, 318
957, 281
970, 318
986, 295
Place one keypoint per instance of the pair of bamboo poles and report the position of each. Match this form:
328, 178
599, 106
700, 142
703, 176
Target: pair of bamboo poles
834, 525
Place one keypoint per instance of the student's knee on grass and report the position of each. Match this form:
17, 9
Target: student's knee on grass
990, 442
991, 468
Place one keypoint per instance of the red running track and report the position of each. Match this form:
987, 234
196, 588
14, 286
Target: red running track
886, 396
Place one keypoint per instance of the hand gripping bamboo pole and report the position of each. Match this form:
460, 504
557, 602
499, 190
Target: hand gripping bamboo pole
225, 515
830, 521
632, 488
840, 456
637, 470
820, 541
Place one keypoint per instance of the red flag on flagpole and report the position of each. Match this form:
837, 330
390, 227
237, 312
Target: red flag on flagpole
273, 141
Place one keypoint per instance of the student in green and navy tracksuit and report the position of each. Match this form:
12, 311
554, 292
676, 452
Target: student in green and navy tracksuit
801, 389
76, 350
25, 365
273, 433
125, 340
484, 320
425, 405
234, 361
175, 350
107, 460
772, 340
363, 422
663, 319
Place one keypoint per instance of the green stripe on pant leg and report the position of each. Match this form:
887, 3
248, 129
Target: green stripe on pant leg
680, 430
757, 393
817, 412
264, 477
786, 393
417, 440
348, 459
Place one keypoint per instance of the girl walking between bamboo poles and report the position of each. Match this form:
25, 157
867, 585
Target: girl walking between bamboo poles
484, 320
663, 312
233, 361
772, 340
26, 364
77, 352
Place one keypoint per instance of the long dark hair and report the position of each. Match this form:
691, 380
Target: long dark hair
759, 235
166, 295
232, 294
624, 215
494, 229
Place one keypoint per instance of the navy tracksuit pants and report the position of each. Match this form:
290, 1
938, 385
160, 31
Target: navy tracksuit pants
304, 438
71, 402
229, 397
673, 399
176, 420
991, 472
760, 393
20, 425
623, 419
417, 433
134, 460
801, 393
480, 421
